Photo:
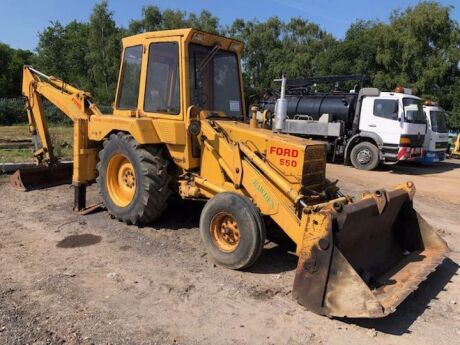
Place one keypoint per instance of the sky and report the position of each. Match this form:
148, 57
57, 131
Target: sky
22, 20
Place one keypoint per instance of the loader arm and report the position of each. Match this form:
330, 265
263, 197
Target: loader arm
251, 175
356, 258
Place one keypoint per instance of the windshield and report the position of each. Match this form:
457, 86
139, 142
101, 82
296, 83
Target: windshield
215, 80
438, 121
413, 110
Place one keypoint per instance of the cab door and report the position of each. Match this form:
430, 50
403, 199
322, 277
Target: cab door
161, 80
427, 144
163, 96
381, 115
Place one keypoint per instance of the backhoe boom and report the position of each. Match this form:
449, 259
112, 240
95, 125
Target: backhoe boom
74, 103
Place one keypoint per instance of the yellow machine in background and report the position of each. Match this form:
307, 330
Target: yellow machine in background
456, 150
178, 126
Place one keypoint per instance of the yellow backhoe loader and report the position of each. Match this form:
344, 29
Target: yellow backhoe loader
178, 126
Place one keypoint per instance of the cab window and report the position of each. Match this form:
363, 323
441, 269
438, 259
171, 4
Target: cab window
386, 108
162, 89
438, 121
413, 111
214, 80
130, 78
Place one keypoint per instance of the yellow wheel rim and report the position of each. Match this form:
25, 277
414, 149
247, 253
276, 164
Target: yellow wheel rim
225, 232
121, 180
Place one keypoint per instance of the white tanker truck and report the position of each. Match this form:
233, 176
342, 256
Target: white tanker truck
363, 127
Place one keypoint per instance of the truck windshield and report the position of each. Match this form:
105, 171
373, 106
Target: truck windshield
438, 121
215, 80
413, 111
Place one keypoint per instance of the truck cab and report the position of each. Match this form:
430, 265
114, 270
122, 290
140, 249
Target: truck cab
397, 122
436, 137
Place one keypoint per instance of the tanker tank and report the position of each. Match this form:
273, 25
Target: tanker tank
339, 106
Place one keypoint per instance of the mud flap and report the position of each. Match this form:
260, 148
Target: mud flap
363, 259
42, 176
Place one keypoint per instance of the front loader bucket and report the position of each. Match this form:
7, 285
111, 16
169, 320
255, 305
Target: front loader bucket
39, 177
363, 259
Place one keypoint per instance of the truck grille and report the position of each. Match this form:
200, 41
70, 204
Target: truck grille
441, 145
416, 140
314, 168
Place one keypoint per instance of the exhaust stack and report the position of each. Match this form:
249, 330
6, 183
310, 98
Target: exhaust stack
280, 107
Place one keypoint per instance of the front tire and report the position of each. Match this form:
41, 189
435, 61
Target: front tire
232, 230
133, 179
365, 156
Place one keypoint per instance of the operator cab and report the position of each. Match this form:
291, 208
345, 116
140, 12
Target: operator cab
164, 73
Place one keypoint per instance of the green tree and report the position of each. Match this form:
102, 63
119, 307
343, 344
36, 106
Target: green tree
104, 49
51, 49
274, 48
301, 44
76, 37
420, 47
355, 54
11, 63
62, 51
204, 21
261, 39
452, 99
153, 19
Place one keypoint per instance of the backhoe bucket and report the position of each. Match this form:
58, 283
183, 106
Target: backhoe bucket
42, 176
363, 259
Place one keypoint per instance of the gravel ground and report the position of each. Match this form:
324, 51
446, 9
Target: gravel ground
66, 278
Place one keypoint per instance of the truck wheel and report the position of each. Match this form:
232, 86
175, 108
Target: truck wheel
133, 179
365, 156
232, 230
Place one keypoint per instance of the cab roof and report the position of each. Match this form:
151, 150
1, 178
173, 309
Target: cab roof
398, 95
189, 35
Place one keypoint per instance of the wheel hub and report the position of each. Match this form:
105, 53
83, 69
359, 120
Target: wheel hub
364, 156
129, 179
121, 180
225, 232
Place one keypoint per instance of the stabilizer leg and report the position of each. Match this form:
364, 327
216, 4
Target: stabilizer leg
79, 198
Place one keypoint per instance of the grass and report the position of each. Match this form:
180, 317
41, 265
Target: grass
61, 137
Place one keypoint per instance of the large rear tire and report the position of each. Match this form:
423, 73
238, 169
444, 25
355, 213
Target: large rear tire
133, 179
232, 230
365, 156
